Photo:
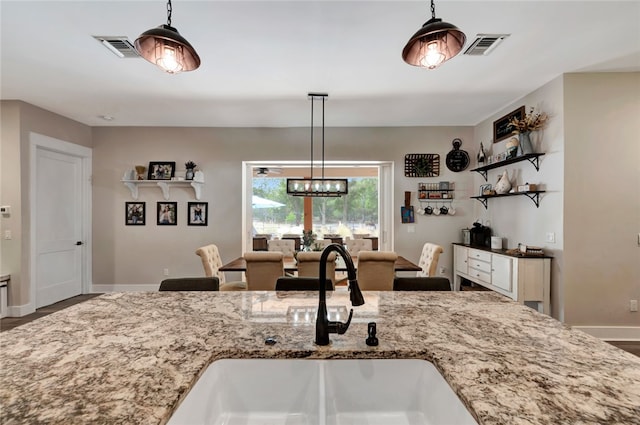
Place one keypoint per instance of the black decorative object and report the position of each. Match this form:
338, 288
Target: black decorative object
501, 127
421, 165
457, 159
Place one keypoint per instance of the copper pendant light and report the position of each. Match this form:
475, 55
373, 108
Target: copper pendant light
434, 43
164, 47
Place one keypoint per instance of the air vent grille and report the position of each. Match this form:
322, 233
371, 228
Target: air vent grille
484, 44
119, 46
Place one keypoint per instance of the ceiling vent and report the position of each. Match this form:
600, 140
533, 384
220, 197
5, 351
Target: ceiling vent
119, 46
484, 44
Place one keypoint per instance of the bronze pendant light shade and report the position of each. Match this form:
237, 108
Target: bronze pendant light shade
164, 47
434, 43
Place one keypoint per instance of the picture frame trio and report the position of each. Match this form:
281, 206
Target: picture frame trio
167, 213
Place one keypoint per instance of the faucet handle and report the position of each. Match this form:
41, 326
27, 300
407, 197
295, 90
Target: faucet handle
342, 327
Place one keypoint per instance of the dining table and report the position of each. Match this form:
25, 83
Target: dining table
290, 265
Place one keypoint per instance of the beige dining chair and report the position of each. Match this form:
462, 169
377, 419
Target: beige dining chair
376, 270
321, 244
354, 246
429, 259
309, 265
211, 261
297, 240
263, 270
285, 246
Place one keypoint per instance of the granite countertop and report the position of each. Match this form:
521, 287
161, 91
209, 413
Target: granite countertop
130, 358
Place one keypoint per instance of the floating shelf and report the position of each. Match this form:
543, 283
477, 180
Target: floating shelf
164, 185
534, 195
531, 157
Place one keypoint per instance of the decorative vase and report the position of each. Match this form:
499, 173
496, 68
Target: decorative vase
525, 143
503, 185
189, 174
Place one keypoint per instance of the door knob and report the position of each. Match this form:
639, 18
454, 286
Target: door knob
79, 243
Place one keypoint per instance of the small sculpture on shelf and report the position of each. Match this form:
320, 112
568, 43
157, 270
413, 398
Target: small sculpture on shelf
141, 171
481, 155
503, 185
190, 166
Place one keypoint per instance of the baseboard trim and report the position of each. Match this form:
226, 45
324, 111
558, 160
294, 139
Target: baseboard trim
20, 310
612, 333
101, 289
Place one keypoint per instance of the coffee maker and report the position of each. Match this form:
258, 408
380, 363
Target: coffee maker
480, 235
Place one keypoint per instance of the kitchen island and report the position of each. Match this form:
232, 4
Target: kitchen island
130, 358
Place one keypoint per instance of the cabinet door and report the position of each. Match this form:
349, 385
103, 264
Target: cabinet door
461, 259
501, 272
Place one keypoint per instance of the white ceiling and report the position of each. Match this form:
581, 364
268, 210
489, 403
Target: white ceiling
261, 58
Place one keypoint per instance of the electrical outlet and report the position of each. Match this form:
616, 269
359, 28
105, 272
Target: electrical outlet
633, 305
443, 270
166, 272
7, 235
411, 229
551, 237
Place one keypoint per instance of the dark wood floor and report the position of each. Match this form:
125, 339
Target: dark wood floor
7, 323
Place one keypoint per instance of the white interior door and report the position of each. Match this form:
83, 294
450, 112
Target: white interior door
58, 226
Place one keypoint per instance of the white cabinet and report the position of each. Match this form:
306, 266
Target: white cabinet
523, 279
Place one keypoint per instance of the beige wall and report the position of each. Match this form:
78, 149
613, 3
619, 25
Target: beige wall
136, 255
602, 198
19, 120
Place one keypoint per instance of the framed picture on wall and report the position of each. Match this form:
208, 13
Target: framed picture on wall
161, 170
407, 214
135, 213
501, 127
197, 213
167, 213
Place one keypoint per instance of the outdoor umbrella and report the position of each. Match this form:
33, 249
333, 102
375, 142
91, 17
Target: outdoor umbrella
258, 202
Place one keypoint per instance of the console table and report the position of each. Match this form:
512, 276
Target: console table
521, 278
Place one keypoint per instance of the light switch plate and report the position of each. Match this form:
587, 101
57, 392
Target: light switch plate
551, 237
411, 229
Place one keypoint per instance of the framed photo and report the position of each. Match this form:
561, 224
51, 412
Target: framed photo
197, 213
135, 214
167, 213
407, 214
501, 127
161, 170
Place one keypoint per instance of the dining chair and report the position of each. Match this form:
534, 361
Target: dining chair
376, 270
321, 244
190, 284
429, 259
288, 283
297, 240
285, 246
309, 265
211, 261
421, 284
354, 246
260, 244
263, 269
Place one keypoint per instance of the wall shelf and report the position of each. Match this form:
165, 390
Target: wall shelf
533, 195
531, 157
164, 185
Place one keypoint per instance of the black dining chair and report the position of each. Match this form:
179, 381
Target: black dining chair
421, 284
190, 284
301, 284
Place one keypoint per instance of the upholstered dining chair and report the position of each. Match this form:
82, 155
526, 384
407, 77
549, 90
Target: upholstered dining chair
285, 246
321, 244
376, 270
211, 261
309, 265
429, 259
263, 269
421, 284
297, 240
190, 284
354, 246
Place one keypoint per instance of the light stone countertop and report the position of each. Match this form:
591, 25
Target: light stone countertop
130, 358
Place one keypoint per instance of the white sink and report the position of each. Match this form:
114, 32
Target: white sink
321, 392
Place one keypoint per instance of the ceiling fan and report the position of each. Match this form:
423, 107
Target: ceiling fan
265, 171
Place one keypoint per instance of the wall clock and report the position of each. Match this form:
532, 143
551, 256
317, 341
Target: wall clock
457, 159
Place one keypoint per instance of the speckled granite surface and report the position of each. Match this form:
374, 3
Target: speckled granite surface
129, 358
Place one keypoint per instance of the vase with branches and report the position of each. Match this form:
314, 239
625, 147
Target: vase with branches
532, 121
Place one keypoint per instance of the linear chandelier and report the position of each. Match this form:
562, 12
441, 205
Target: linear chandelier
322, 187
434, 43
164, 47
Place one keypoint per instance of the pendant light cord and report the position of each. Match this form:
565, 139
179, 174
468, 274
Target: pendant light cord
169, 10
323, 137
312, 99
433, 9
